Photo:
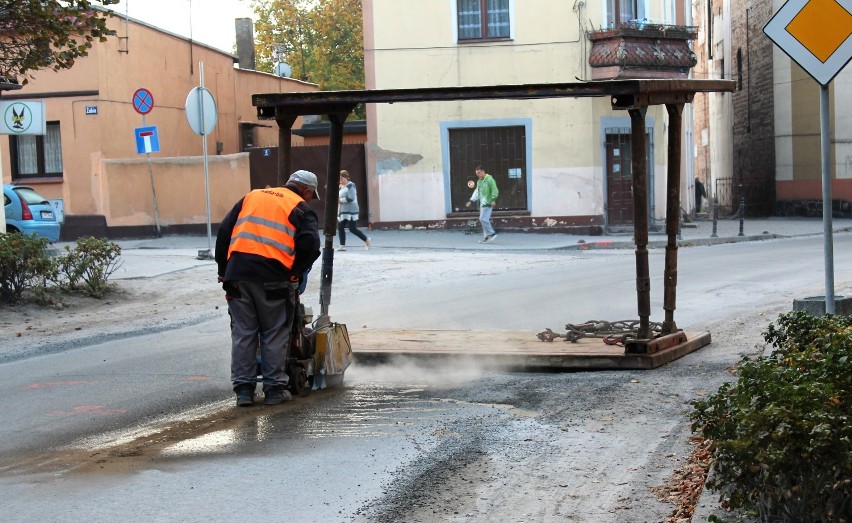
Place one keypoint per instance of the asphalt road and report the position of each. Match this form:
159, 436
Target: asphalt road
143, 428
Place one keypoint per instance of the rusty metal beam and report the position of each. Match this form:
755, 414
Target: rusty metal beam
625, 94
635, 101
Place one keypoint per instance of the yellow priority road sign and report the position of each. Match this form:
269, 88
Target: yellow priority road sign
816, 34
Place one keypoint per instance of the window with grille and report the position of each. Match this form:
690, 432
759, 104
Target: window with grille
36, 156
483, 19
621, 12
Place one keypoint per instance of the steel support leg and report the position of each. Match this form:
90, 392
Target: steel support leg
285, 126
640, 219
335, 146
672, 217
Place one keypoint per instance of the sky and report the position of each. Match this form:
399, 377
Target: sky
211, 23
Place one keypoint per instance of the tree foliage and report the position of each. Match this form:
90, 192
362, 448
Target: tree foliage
39, 34
321, 40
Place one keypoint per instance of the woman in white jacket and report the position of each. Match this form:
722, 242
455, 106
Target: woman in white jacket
347, 212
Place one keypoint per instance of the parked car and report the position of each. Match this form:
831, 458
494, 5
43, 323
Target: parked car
28, 212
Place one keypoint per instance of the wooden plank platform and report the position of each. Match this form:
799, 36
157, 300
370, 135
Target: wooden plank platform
513, 349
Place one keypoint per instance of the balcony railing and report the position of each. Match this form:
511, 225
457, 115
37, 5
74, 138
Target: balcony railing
639, 49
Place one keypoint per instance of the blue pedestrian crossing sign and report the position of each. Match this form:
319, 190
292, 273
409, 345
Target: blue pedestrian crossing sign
147, 140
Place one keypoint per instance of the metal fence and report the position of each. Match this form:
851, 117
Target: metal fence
759, 197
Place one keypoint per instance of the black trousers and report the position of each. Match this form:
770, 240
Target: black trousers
353, 228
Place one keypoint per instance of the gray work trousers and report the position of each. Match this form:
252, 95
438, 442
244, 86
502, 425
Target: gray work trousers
260, 312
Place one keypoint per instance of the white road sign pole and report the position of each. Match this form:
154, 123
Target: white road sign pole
204, 148
828, 230
153, 190
201, 114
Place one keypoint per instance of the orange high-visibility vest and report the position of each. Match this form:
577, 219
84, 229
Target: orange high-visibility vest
263, 226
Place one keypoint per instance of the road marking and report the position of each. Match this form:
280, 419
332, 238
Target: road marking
51, 384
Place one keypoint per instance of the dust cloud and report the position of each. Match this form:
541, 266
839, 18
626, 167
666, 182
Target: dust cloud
411, 371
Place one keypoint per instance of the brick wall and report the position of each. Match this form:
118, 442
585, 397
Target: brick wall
753, 109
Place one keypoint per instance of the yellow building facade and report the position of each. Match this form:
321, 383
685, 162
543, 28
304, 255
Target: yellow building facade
559, 164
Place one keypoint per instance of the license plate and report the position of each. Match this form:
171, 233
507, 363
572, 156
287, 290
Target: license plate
46, 215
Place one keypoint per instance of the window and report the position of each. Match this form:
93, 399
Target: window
620, 12
483, 19
37, 156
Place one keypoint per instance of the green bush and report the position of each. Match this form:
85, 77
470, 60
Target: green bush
24, 264
780, 436
90, 264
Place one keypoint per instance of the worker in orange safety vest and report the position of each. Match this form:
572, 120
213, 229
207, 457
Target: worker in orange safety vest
264, 246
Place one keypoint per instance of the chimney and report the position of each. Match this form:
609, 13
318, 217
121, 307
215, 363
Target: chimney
245, 42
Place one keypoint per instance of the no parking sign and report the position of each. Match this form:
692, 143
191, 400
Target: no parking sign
143, 101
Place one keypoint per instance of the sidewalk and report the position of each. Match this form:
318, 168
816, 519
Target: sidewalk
699, 232
149, 257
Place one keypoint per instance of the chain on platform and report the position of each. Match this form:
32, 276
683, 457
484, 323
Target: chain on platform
612, 332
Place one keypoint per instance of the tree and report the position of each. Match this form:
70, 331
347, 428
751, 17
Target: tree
321, 40
41, 34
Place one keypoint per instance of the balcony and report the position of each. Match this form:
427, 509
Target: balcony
640, 49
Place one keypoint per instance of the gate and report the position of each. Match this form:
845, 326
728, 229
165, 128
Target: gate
263, 162
758, 195
502, 151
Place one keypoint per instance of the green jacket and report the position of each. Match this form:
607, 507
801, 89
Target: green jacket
486, 190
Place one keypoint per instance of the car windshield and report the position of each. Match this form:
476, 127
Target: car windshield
30, 196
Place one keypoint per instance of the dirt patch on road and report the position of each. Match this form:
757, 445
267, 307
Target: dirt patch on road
131, 307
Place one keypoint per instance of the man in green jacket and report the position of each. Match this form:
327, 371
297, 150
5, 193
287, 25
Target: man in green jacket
486, 195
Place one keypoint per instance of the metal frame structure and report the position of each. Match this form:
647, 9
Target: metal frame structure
634, 96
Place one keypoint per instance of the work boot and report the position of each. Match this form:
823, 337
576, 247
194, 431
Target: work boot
276, 395
245, 395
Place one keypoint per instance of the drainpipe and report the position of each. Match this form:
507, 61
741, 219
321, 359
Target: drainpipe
689, 135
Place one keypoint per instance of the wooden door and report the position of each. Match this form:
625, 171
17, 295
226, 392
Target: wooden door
619, 177
263, 165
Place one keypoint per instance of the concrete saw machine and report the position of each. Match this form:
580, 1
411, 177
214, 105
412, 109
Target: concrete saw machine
320, 350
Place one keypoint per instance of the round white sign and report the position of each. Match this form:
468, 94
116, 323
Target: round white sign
201, 111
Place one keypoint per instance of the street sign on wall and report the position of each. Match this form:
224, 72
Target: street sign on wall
143, 101
22, 117
816, 34
147, 140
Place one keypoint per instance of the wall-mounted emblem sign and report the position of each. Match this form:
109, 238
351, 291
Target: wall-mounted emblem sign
21, 117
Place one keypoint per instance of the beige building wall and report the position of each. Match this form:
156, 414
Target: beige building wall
841, 94
407, 155
103, 174
798, 150
124, 186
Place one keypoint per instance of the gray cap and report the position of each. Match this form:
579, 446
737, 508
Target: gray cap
306, 178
